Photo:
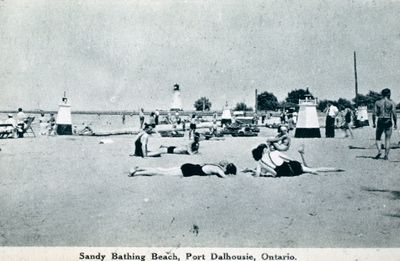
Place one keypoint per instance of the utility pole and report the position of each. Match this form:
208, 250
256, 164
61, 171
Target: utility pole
256, 103
355, 77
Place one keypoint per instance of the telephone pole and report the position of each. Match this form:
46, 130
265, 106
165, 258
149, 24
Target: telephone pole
355, 77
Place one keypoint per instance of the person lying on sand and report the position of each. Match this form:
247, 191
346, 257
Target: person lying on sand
222, 170
190, 149
273, 163
281, 141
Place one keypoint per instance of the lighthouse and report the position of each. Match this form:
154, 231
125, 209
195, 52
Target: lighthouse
307, 123
176, 102
64, 122
226, 117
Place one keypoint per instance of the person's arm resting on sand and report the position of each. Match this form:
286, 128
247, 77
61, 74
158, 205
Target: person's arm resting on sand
263, 165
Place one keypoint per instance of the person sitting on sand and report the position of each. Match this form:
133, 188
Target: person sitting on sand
222, 170
281, 141
141, 142
273, 163
85, 131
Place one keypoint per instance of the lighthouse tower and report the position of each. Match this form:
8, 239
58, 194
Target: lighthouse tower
226, 117
307, 123
176, 102
63, 121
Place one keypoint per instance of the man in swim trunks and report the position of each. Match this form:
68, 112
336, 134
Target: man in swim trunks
385, 112
281, 142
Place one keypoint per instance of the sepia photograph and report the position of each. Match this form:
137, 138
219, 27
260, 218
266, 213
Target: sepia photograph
199, 124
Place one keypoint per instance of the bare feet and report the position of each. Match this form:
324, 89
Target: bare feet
301, 149
132, 171
377, 156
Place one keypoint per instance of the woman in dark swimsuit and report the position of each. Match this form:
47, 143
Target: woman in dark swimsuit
141, 144
190, 149
273, 163
222, 170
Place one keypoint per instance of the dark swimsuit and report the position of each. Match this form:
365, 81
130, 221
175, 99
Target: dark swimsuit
189, 170
170, 149
195, 146
289, 169
138, 147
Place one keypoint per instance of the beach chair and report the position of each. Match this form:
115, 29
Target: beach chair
6, 130
26, 127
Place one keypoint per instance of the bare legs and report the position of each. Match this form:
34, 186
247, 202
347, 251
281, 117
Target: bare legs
175, 171
308, 169
301, 151
378, 143
348, 128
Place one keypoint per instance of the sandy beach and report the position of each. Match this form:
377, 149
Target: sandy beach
73, 191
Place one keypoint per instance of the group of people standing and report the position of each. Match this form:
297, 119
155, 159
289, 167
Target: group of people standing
342, 117
153, 120
384, 119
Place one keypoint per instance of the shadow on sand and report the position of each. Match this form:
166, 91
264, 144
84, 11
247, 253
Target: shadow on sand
394, 194
373, 157
396, 214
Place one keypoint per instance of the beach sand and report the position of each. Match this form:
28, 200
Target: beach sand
73, 191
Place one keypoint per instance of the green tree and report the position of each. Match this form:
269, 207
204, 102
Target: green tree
343, 103
241, 106
367, 100
288, 105
267, 101
322, 104
298, 94
202, 104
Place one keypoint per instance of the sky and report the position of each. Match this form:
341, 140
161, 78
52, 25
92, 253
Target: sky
123, 55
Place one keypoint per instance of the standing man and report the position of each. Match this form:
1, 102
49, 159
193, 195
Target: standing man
123, 118
331, 113
385, 111
157, 116
21, 116
141, 117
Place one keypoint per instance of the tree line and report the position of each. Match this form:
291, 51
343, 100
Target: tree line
267, 101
